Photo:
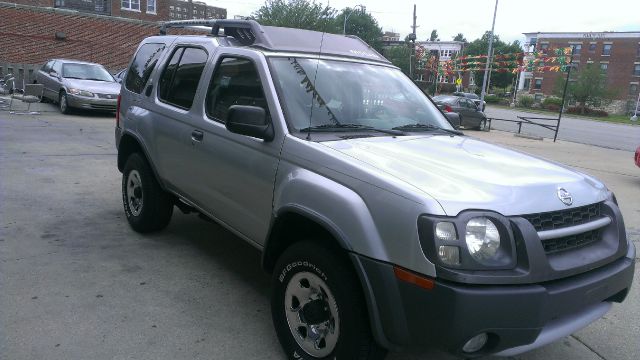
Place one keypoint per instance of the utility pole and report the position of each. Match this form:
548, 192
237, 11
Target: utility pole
489, 60
412, 37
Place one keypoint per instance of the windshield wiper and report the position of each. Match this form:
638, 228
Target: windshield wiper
349, 127
96, 79
425, 127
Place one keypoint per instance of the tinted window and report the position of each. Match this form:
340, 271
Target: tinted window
235, 82
179, 81
143, 64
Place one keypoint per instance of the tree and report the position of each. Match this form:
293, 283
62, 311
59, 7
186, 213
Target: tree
460, 37
361, 24
481, 47
400, 57
434, 35
589, 89
300, 14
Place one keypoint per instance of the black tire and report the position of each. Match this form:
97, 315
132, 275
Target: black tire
154, 211
354, 339
63, 105
482, 126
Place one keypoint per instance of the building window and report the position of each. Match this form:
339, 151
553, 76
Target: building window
633, 89
171, 7
131, 5
592, 47
151, 6
603, 68
544, 48
537, 85
606, 50
538, 98
638, 50
576, 49
527, 83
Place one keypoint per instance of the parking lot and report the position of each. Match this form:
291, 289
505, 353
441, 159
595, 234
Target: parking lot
77, 283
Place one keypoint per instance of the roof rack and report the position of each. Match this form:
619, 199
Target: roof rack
247, 32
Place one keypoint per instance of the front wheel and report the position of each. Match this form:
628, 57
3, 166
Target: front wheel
147, 207
482, 126
63, 103
318, 308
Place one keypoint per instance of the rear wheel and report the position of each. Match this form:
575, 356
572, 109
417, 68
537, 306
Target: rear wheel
147, 207
318, 308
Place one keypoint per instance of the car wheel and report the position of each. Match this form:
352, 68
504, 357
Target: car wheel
482, 126
318, 308
147, 207
63, 104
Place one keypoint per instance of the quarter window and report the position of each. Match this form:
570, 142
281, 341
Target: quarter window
179, 81
143, 64
235, 82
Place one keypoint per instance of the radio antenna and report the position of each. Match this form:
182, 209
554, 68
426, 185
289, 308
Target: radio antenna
315, 76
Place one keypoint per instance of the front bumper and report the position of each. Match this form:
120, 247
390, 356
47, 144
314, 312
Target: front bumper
518, 318
92, 103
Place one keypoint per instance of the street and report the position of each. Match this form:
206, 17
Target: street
599, 133
77, 283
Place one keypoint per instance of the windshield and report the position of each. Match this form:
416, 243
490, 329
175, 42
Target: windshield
346, 93
86, 72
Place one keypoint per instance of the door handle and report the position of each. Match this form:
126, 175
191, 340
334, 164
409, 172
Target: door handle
197, 135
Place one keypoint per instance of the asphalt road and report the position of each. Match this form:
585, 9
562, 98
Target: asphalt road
599, 133
77, 283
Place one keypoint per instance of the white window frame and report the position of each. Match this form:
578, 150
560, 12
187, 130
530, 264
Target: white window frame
155, 6
129, 5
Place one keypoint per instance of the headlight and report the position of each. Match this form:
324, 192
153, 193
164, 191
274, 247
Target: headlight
81, 92
483, 239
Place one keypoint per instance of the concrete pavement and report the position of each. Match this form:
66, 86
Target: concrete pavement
77, 283
599, 133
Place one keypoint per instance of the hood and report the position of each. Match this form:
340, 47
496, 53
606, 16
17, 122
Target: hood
96, 87
463, 173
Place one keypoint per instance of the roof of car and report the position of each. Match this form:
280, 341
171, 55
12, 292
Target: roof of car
252, 34
75, 61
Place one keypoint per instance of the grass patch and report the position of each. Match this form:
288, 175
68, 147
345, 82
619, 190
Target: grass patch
618, 119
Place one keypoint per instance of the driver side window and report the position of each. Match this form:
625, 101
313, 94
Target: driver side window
235, 82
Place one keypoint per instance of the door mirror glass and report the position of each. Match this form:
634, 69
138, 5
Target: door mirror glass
53, 73
249, 121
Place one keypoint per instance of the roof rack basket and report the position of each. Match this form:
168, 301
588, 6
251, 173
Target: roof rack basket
247, 32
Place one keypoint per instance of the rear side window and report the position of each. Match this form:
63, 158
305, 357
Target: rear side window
143, 64
179, 80
236, 82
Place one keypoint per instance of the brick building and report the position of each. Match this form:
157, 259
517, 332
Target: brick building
188, 9
616, 53
37, 30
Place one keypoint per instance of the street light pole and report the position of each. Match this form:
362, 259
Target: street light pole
489, 60
346, 17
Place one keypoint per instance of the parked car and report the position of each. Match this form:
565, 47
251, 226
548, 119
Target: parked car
78, 84
481, 104
381, 225
637, 156
470, 116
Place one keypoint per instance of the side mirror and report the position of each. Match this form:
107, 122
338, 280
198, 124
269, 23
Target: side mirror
249, 121
53, 73
454, 119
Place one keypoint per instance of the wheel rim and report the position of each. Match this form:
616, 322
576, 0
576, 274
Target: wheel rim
63, 103
312, 314
134, 192
483, 125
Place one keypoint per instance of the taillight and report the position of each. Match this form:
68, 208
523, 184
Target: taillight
448, 108
118, 113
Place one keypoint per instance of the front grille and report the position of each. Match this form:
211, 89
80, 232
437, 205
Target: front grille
570, 242
563, 218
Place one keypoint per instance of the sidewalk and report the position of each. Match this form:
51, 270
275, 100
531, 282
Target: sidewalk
18, 105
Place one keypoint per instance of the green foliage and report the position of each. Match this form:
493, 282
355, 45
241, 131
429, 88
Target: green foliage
525, 101
300, 14
399, 56
492, 99
460, 37
361, 24
434, 35
552, 103
590, 88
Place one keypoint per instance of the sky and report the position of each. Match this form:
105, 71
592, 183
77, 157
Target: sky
473, 17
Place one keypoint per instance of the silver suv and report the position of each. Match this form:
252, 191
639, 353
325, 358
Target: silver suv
382, 226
